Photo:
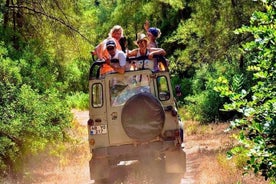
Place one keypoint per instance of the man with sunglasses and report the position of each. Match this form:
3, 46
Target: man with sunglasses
116, 59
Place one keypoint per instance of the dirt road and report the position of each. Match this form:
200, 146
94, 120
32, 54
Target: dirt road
205, 150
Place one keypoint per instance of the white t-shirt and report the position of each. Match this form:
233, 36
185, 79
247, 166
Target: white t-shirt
119, 59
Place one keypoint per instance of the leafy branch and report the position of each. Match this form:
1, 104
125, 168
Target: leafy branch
61, 21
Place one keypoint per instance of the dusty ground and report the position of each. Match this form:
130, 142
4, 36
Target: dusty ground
206, 158
205, 149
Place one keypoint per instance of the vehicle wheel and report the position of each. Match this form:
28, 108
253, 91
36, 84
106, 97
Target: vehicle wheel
99, 170
143, 117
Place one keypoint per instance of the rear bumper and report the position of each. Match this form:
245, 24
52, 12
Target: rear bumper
134, 150
168, 153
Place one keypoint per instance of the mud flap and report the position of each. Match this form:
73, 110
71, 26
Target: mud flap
175, 161
99, 169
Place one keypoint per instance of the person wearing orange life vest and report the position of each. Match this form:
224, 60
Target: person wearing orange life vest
101, 52
116, 59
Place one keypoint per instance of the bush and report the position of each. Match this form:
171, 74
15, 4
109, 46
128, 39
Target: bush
29, 118
78, 100
29, 121
205, 107
185, 88
205, 104
75, 75
257, 102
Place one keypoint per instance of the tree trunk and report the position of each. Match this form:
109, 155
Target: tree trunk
6, 14
20, 14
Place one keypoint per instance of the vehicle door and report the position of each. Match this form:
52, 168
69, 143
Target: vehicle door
97, 112
164, 93
120, 88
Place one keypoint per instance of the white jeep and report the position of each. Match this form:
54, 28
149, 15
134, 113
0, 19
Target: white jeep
133, 117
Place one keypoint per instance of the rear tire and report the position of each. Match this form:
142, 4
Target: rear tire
143, 117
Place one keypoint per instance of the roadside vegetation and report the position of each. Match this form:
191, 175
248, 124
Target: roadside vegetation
206, 147
222, 55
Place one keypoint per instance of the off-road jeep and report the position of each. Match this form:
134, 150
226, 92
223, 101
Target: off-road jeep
133, 117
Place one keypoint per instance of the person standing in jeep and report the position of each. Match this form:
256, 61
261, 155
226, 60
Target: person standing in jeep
143, 50
116, 33
116, 59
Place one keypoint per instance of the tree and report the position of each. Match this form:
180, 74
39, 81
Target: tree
131, 15
207, 35
57, 24
29, 119
257, 102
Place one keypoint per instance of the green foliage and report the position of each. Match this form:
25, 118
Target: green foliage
205, 104
38, 71
207, 35
45, 57
257, 102
78, 100
30, 116
9, 72
185, 87
29, 122
75, 75
206, 45
204, 107
161, 13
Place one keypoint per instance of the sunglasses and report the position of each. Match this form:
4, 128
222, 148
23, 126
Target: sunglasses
110, 48
140, 42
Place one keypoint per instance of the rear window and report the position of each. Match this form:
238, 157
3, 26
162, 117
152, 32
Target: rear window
124, 87
163, 88
97, 95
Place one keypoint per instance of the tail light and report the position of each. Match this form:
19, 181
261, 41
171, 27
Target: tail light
176, 133
92, 142
174, 112
90, 122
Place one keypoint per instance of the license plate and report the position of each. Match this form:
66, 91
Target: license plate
99, 129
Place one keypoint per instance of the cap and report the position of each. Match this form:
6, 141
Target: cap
110, 43
154, 31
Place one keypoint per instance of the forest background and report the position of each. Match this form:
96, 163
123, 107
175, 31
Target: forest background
222, 54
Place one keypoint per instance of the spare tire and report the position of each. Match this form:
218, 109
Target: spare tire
143, 117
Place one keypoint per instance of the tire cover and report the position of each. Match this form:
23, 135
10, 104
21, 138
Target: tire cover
143, 117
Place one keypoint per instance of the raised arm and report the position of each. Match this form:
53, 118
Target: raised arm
146, 25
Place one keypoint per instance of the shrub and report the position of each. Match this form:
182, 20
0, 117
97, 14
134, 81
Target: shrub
29, 118
205, 104
257, 102
78, 100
